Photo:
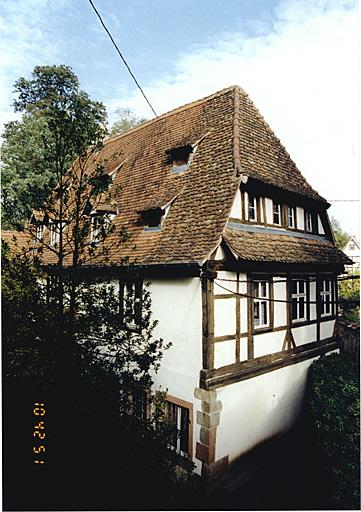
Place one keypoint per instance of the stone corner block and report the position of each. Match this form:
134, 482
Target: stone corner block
204, 395
208, 420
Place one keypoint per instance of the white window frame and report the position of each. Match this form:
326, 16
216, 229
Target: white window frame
277, 210
298, 296
261, 302
252, 206
308, 221
291, 216
40, 228
324, 293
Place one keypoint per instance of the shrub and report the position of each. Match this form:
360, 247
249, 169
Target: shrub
333, 400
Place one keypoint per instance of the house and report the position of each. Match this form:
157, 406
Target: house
352, 251
242, 265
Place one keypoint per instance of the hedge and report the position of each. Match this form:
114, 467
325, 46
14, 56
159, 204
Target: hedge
333, 401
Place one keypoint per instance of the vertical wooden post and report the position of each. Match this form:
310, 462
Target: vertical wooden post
238, 321
318, 306
207, 320
250, 317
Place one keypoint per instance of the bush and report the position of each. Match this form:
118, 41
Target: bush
333, 401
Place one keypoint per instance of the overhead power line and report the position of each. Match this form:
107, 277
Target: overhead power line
122, 57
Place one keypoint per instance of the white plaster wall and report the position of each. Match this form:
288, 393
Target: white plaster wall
259, 408
230, 284
326, 330
236, 210
269, 210
304, 334
313, 307
280, 308
220, 254
243, 349
177, 305
224, 317
300, 218
243, 312
320, 226
224, 353
268, 343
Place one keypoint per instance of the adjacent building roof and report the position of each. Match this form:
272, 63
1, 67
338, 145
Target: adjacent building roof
229, 137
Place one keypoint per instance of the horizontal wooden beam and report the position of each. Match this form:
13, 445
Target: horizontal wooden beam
213, 379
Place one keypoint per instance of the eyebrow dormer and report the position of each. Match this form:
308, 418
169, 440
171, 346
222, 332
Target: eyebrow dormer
180, 157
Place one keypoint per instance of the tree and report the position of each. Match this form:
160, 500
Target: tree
126, 121
100, 361
341, 237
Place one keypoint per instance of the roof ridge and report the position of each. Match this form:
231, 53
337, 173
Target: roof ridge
174, 111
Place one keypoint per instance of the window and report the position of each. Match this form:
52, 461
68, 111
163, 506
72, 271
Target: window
130, 302
326, 305
180, 157
153, 217
276, 213
298, 300
252, 208
291, 217
308, 222
352, 247
261, 304
99, 226
179, 413
40, 231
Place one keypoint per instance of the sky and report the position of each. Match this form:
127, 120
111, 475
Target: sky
297, 59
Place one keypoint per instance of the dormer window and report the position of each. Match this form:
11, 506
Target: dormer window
252, 209
153, 217
99, 225
276, 213
180, 157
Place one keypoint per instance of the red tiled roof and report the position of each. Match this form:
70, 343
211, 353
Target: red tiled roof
233, 136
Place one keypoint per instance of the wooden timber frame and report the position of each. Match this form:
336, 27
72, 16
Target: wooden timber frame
213, 378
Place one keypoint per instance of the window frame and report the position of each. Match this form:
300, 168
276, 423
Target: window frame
308, 226
182, 404
323, 293
54, 232
305, 294
97, 236
267, 299
291, 209
279, 213
254, 208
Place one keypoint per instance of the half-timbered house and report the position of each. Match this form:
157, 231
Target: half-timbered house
242, 265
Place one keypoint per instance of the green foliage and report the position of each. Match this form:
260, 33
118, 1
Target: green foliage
349, 298
126, 121
333, 399
341, 236
60, 123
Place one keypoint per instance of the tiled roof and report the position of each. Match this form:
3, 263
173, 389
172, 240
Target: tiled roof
18, 241
233, 137
259, 247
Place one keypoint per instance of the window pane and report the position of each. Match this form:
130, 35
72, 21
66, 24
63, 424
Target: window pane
184, 430
255, 290
294, 287
256, 313
294, 309
301, 286
327, 285
301, 307
263, 289
264, 313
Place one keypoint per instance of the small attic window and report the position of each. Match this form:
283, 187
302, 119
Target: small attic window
153, 218
180, 158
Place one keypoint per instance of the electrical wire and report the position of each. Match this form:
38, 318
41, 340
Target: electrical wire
122, 57
245, 295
